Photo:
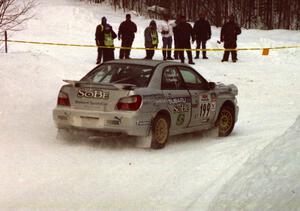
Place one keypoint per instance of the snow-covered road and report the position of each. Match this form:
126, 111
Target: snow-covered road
194, 172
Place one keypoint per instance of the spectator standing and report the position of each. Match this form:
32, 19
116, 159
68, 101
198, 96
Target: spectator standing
202, 33
126, 33
166, 30
108, 39
151, 39
229, 33
185, 34
176, 35
99, 37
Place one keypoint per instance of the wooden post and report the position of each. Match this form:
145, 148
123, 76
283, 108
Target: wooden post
5, 38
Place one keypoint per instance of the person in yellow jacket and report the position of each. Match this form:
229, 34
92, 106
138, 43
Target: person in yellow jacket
105, 36
151, 39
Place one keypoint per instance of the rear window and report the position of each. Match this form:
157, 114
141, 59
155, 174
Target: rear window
138, 75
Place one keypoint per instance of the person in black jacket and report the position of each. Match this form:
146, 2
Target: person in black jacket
126, 32
185, 34
100, 39
176, 35
229, 33
202, 33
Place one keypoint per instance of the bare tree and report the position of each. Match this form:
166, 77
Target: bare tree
13, 13
264, 14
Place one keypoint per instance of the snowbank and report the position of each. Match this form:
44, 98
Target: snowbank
268, 181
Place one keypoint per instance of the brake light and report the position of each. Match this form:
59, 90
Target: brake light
63, 99
131, 103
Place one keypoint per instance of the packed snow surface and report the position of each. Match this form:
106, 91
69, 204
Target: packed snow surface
255, 168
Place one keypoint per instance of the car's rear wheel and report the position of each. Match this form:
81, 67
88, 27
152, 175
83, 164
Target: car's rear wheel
160, 132
225, 122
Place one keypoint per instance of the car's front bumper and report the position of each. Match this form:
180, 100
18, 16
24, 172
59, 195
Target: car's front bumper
127, 122
236, 113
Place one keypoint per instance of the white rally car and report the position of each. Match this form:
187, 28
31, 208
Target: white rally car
146, 98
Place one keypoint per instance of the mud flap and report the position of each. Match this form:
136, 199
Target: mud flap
143, 142
214, 132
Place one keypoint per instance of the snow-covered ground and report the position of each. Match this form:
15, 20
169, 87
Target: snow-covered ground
256, 168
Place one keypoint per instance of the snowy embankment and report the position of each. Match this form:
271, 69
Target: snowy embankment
39, 171
268, 181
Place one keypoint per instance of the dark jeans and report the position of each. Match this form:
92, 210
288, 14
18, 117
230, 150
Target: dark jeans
108, 54
125, 53
167, 43
199, 42
186, 46
230, 45
176, 53
99, 57
150, 53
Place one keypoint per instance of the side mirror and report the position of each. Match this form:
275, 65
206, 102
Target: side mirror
211, 85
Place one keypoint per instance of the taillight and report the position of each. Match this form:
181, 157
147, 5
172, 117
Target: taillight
63, 99
131, 103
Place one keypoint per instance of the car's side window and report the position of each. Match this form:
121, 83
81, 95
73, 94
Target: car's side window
191, 79
171, 79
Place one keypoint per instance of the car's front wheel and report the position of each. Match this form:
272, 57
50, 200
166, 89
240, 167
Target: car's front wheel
225, 122
160, 132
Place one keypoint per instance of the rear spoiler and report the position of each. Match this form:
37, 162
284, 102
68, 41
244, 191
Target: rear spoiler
112, 86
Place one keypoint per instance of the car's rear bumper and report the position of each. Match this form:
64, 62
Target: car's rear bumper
130, 123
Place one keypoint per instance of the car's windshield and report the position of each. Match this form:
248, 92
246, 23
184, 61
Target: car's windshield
138, 75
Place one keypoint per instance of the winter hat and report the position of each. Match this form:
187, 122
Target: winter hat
153, 23
104, 20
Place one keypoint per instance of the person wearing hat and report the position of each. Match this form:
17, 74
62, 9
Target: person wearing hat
151, 39
100, 39
229, 33
126, 33
109, 36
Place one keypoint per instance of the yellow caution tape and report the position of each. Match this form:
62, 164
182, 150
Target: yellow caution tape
141, 48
